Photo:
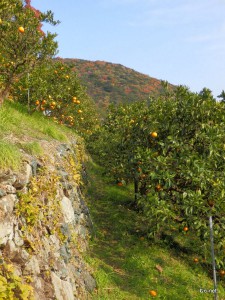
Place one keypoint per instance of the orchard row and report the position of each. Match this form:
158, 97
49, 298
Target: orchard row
173, 150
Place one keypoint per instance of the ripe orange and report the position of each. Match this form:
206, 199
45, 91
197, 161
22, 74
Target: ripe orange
195, 259
154, 134
79, 111
120, 183
43, 102
153, 293
185, 228
158, 187
21, 29
37, 102
78, 102
222, 272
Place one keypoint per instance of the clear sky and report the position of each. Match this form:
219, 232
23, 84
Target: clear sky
181, 41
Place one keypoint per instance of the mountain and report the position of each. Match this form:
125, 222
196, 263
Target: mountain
114, 83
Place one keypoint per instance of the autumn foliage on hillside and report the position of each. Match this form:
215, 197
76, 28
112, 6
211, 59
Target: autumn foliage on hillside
113, 83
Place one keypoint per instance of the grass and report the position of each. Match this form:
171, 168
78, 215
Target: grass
126, 265
9, 156
15, 119
33, 148
21, 130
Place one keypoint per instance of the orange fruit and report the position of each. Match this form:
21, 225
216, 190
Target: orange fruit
153, 293
154, 134
37, 102
195, 259
185, 228
21, 29
120, 183
158, 187
79, 111
222, 272
43, 102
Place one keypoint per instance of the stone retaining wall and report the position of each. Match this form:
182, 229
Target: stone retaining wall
47, 250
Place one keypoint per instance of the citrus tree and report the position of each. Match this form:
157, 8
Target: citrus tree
175, 147
54, 89
23, 43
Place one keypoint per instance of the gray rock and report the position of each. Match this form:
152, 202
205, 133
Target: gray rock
89, 281
54, 243
10, 189
66, 230
35, 165
8, 177
82, 231
32, 267
65, 253
2, 192
63, 175
67, 210
23, 177
6, 231
63, 150
7, 204
18, 238
63, 289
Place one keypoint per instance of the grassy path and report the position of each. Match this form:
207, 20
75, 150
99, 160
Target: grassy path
126, 265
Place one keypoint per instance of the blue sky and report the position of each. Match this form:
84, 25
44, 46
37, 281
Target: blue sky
181, 41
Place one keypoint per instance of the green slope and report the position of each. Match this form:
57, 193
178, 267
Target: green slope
127, 265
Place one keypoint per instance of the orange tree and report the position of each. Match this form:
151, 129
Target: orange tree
55, 89
23, 43
180, 171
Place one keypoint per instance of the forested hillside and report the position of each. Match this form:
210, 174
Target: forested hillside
114, 83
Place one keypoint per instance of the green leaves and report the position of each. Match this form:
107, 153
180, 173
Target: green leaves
21, 50
182, 170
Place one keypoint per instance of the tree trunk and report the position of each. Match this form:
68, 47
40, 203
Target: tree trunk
3, 95
135, 190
